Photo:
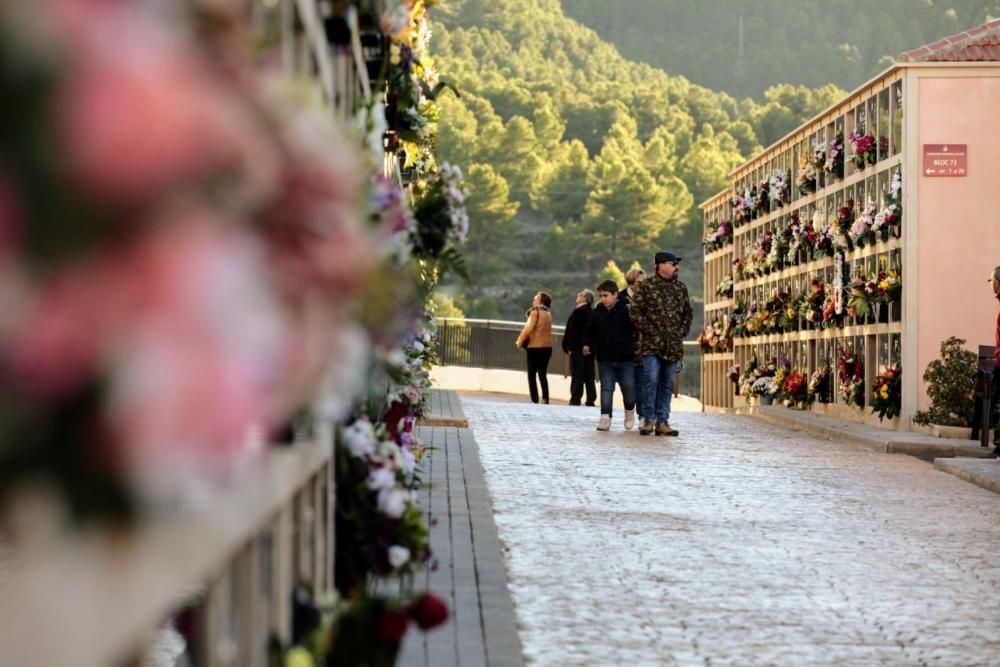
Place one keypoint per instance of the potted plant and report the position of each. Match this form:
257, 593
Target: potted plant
950, 385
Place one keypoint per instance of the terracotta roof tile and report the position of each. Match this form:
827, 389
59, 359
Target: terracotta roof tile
978, 44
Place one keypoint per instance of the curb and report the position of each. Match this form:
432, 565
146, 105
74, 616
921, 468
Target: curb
983, 473
921, 448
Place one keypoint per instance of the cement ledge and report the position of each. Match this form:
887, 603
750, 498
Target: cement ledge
981, 472
872, 438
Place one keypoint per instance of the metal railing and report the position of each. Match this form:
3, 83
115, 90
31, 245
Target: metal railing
490, 344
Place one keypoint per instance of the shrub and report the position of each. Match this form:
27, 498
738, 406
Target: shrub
951, 382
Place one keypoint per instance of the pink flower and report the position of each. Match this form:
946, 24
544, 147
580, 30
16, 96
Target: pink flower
139, 113
200, 358
314, 229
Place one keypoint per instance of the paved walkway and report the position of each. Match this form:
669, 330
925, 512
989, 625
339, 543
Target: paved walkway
470, 572
737, 543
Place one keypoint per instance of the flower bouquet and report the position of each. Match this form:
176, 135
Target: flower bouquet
863, 146
819, 385
762, 198
717, 235
841, 227
725, 287
887, 393
778, 186
889, 286
805, 181
834, 164
811, 307
862, 231
714, 338
851, 374
794, 388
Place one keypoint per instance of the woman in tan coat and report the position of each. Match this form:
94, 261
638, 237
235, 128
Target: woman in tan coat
536, 338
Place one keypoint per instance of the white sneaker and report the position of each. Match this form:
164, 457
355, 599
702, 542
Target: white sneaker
629, 419
605, 423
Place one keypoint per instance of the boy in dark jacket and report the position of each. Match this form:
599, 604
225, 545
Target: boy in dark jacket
610, 337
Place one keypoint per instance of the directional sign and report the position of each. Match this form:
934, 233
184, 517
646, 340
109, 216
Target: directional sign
945, 160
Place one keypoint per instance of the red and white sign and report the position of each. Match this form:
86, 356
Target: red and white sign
945, 160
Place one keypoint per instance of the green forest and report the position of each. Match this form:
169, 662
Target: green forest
807, 42
576, 156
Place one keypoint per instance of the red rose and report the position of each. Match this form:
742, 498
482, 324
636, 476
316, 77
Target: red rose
391, 625
429, 611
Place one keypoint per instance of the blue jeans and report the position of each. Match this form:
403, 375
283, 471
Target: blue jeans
658, 387
639, 382
623, 373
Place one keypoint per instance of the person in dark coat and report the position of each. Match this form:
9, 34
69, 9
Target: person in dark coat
611, 338
581, 365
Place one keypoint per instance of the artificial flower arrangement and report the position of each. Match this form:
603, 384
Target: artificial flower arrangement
794, 389
826, 241
737, 319
797, 235
758, 379
811, 307
887, 393
742, 207
851, 374
773, 312
739, 268
717, 235
788, 316
762, 198
889, 286
863, 146
862, 293
841, 227
725, 287
819, 385
761, 253
715, 338
775, 258
887, 221
862, 230
805, 181
778, 186
834, 164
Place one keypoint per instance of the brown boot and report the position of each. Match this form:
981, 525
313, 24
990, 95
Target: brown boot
663, 428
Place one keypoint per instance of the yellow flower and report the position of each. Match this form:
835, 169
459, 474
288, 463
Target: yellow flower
299, 657
884, 391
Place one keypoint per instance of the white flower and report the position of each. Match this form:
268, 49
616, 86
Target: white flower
412, 395
407, 461
381, 478
396, 358
398, 556
392, 502
360, 438
418, 347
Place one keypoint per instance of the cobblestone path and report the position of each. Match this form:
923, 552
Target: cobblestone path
737, 543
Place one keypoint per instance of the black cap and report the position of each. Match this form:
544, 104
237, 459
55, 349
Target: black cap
664, 256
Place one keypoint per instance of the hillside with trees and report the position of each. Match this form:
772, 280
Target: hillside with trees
806, 42
576, 157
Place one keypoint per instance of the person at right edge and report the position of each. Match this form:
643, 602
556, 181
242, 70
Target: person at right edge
995, 283
661, 312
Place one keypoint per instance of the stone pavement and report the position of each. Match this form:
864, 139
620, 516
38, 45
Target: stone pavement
470, 572
737, 543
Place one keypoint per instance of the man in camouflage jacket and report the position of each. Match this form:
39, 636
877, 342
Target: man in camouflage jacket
661, 312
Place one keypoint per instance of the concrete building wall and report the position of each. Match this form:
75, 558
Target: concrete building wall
957, 218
